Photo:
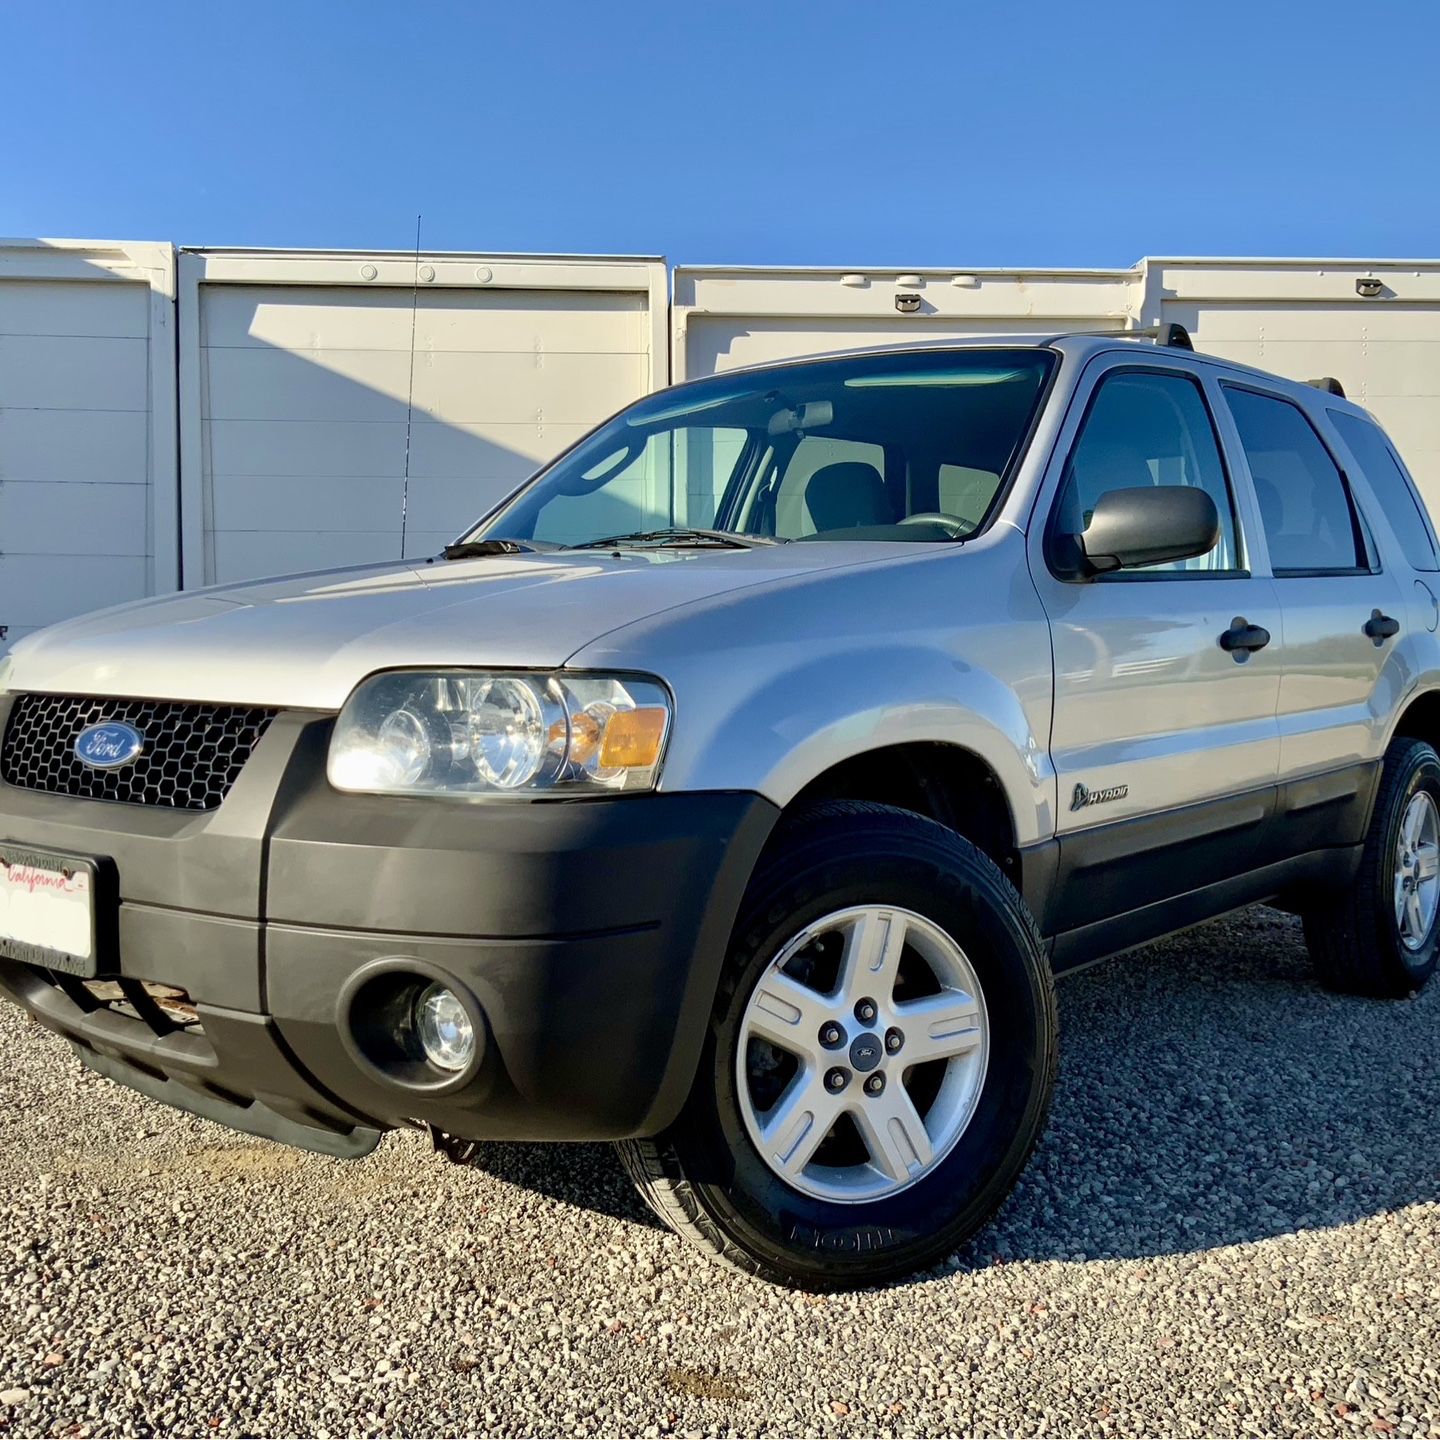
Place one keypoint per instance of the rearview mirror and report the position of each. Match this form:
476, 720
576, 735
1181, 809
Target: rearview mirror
1146, 525
809, 416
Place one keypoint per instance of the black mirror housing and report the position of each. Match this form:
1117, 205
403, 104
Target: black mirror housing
1145, 525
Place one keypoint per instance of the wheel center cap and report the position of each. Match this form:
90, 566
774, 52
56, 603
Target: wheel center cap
866, 1051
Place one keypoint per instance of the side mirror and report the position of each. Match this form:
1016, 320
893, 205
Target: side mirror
1146, 525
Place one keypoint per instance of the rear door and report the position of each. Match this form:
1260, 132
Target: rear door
1342, 611
1164, 742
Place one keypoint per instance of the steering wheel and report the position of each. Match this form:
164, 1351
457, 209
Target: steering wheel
953, 523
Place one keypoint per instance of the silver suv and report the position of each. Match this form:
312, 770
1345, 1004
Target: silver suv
736, 788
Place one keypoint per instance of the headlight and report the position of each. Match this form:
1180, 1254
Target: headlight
466, 732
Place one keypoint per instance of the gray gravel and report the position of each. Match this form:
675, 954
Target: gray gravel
1232, 1228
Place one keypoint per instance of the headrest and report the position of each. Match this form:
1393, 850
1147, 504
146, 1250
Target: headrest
847, 494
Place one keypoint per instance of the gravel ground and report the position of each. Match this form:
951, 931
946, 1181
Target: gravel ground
1232, 1227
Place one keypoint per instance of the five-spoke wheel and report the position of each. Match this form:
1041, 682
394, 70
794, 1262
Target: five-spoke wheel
1417, 870
862, 1053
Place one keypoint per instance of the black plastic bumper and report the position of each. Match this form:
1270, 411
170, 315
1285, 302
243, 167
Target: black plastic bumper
589, 933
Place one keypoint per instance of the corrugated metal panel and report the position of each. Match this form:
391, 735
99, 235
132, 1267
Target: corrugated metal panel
88, 490
296, 375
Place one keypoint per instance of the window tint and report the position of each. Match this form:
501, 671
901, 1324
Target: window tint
1145, 428
1304, 504
1391, 486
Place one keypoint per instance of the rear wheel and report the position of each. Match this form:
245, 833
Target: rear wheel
879, 1059
1381, 937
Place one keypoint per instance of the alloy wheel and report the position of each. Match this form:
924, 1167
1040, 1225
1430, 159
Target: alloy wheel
862, 1054
1417, 870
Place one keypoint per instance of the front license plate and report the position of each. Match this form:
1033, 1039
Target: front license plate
48, 908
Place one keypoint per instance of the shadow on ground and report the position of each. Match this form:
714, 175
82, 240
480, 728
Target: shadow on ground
585, 1175
1210, 1094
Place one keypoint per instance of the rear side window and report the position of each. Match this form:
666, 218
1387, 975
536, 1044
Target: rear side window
1305, 505
1392, 487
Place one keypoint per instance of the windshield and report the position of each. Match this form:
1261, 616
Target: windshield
907, 446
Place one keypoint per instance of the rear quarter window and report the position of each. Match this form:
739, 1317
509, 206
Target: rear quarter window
1381, 467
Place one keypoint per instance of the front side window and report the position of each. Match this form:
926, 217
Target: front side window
904, 446
1310, 524
1391, 485
1147, 428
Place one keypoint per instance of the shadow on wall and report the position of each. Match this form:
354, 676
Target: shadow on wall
305, 466
1210, 1094
307, 397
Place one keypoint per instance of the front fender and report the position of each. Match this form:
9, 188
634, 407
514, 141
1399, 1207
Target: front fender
774, 687
785, 733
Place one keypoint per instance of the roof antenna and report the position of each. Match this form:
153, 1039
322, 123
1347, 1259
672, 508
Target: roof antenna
410, 393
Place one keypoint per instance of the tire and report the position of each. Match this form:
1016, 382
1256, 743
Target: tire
1356, 940
706, 1176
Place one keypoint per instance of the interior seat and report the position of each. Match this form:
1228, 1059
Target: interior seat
846, 495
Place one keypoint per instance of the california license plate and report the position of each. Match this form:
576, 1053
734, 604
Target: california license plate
48, 909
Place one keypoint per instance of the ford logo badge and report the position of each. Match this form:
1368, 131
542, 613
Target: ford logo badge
108, 745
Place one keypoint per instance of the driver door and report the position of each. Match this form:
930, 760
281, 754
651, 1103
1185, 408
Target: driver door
1165, 744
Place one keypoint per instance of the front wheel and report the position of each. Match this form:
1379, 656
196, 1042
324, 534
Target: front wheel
879, 1059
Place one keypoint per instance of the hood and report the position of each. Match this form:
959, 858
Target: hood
305, 641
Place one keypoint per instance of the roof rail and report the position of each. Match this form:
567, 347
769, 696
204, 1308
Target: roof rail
1329, 384
1177, 337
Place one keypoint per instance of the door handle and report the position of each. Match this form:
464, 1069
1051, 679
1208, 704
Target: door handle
1380, 627
1242, 638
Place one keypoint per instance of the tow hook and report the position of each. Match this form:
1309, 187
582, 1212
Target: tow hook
456, 1150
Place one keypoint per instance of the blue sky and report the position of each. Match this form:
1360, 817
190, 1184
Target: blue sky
748, 133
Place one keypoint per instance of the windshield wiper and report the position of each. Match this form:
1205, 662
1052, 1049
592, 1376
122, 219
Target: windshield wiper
679, 535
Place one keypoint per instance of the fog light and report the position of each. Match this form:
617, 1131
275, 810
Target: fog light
443, 1026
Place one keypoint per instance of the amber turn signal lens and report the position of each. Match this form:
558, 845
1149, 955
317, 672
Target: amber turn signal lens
584, 736
633, 738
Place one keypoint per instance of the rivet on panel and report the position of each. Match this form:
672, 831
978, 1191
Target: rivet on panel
484, 274
368, 272
427, 273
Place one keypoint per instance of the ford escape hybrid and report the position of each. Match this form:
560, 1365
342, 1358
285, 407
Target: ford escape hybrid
735, 789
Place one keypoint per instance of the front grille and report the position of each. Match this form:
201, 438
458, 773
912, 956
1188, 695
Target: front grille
193, 753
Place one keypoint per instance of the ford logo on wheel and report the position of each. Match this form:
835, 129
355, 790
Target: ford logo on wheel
108, 745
